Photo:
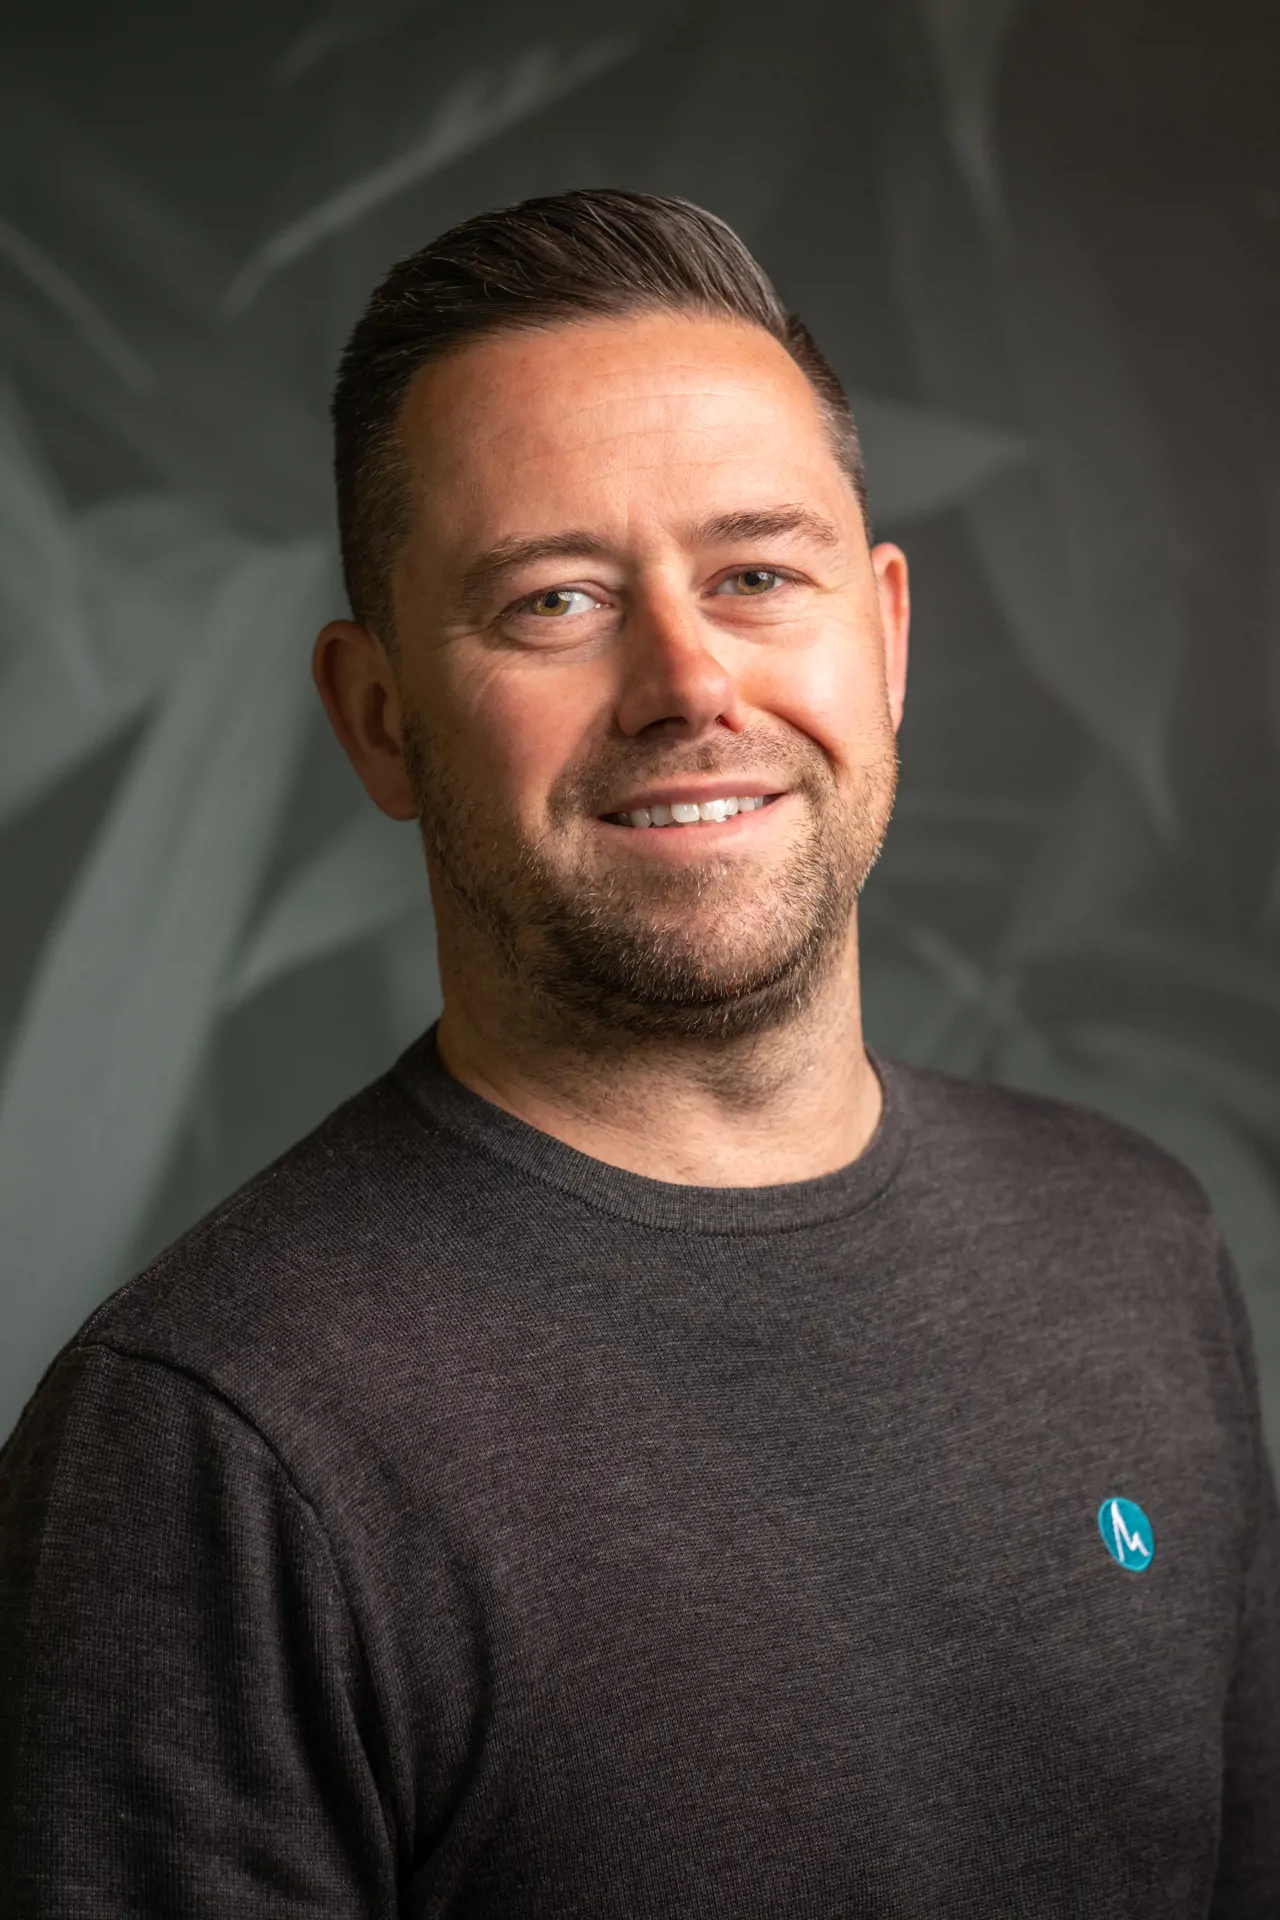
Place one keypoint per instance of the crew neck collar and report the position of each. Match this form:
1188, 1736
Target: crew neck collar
663, 1204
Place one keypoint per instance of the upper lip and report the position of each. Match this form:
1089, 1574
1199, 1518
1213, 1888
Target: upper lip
688, 794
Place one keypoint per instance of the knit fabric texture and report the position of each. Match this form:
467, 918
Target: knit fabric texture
453, 1523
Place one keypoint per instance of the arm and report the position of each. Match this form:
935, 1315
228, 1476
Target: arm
1248, 1881
184, 1707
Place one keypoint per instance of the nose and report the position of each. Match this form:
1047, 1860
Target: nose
675, 667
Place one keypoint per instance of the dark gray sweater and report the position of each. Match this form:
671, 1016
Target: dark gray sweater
453, 1524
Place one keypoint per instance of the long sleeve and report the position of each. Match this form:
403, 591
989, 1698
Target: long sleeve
1248, 1878
186, 1724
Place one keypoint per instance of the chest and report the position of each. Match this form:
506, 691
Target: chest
854, 1595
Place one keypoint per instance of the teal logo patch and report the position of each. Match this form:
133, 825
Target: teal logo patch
1126, 1533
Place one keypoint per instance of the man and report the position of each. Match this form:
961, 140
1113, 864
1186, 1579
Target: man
645, 1455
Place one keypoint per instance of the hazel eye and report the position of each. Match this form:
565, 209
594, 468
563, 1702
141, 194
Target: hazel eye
750, 581
556, 602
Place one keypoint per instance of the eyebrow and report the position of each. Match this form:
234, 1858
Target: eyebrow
489, 568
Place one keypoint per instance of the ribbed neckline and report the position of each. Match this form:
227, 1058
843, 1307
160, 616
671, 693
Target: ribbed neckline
662, 1204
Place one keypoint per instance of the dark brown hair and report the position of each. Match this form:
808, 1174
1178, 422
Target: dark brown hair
595, 253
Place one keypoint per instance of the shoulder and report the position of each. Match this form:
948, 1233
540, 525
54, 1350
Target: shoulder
1016, 1149
286, 1282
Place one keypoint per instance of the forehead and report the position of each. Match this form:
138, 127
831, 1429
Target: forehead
619, 419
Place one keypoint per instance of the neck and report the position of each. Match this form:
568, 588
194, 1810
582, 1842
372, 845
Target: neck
789, 1104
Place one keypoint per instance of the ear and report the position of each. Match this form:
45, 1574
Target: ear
357, 683
893, 591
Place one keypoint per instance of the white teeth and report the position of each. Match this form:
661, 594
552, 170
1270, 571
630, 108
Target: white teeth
685, 813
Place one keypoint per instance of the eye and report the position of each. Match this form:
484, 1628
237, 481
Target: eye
751, 581
556, 602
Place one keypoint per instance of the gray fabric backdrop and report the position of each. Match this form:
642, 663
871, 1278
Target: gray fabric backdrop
1041, 244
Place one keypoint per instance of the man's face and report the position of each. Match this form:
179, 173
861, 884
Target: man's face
634, 564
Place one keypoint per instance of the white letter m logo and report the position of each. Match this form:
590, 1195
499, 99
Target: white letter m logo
1123, 1538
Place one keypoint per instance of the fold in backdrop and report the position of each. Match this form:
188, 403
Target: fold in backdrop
1041, 245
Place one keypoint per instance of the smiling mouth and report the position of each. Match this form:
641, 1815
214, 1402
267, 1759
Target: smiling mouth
706, 813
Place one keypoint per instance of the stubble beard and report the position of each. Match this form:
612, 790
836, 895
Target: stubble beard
608, 948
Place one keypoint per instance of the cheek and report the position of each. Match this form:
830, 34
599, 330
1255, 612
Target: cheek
833, 693
516, 732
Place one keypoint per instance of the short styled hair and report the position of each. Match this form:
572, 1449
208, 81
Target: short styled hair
591, 254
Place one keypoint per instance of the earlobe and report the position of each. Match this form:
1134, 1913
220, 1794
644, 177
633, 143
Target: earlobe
358, 688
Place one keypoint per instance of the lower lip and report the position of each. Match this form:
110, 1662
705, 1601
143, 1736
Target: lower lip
707, 836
